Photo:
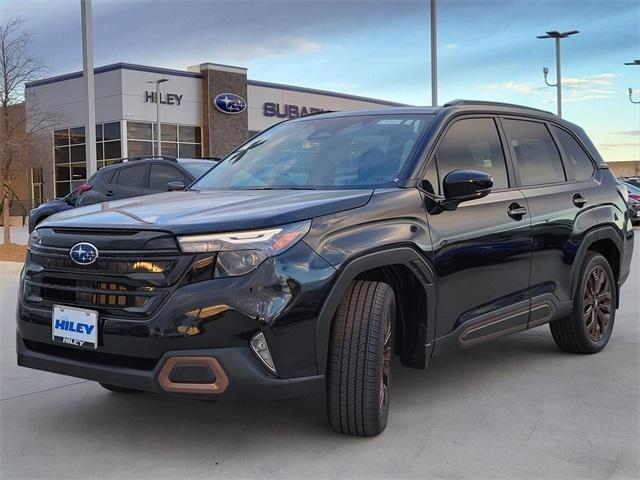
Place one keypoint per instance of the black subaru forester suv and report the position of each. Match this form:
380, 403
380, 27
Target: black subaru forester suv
324, 246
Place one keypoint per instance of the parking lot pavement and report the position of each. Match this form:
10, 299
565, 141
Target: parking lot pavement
514, 408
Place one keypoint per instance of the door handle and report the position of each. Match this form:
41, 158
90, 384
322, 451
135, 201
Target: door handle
516, 211
579, 201
109, 193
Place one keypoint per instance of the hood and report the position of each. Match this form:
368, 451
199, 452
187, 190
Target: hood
184, 212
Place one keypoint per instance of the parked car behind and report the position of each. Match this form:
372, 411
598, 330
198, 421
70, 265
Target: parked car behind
634, 192
131, 177
635, 181
634, 210
47, 209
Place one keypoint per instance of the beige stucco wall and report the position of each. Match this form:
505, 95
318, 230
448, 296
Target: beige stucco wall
625, 169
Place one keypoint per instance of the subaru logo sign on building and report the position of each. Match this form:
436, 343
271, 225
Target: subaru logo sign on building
230, 103
83, 253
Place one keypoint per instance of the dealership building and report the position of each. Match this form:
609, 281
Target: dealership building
205, 111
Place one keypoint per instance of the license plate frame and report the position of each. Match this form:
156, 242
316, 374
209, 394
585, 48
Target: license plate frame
74, 326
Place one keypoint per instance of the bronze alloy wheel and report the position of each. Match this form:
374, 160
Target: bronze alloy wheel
588, 328
387, 354
597, 303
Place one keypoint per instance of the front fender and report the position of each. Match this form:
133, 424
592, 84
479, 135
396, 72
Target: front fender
402, 255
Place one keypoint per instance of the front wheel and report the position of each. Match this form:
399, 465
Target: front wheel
359, 363
589, 327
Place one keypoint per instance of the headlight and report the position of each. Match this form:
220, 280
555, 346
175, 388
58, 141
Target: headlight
34, 238
241, 252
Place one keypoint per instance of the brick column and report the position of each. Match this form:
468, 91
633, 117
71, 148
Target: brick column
222, 132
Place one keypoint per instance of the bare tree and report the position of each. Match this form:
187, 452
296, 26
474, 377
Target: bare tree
19, 123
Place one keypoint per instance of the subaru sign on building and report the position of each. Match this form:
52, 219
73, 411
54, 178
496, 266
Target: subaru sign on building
230, 103
205, 111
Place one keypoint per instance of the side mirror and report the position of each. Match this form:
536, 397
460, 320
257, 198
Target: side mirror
173, 186
464, 185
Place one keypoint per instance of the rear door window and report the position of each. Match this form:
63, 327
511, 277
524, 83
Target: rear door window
132, 176
537, 156
472, 144
577, 158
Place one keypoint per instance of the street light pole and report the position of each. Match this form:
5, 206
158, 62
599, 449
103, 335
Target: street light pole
89, 91
558, 78
434, 56
557, 36
158, 130
635, 62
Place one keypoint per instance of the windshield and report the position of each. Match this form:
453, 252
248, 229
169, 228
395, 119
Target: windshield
337, 152
197, 169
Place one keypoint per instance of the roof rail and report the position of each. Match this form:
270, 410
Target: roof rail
148, 157
461, 102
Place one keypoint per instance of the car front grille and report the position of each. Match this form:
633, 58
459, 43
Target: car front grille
112, 266
93, 293
126, 283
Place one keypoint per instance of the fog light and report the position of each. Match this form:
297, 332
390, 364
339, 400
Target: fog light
260, 348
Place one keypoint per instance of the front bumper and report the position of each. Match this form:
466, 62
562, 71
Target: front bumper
247, 380
212, 320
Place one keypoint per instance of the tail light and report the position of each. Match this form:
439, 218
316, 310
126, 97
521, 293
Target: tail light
85, 187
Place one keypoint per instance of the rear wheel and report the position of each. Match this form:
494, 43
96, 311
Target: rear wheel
359, 364
118, 388
589, 327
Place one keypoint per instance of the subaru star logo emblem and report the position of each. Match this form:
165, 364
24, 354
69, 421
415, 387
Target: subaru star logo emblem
83, 253
230, 103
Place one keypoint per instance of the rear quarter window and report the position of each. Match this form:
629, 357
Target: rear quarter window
576, 157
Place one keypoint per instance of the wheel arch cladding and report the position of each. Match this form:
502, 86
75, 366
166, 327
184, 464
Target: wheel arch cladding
607, 242
409, 275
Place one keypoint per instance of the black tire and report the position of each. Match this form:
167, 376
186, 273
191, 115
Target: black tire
359, 365
118, 388
578, 333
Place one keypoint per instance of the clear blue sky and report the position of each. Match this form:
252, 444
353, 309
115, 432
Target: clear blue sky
487, 49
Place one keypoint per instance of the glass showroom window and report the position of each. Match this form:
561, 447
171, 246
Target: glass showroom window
108, 143
37, 186
177, 140
70, 158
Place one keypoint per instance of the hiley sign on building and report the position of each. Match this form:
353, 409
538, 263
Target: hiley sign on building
165, 98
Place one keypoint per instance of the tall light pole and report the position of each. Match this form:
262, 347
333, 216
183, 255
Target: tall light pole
90, 94
635, 62
545, 70
158, 130
434, 56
